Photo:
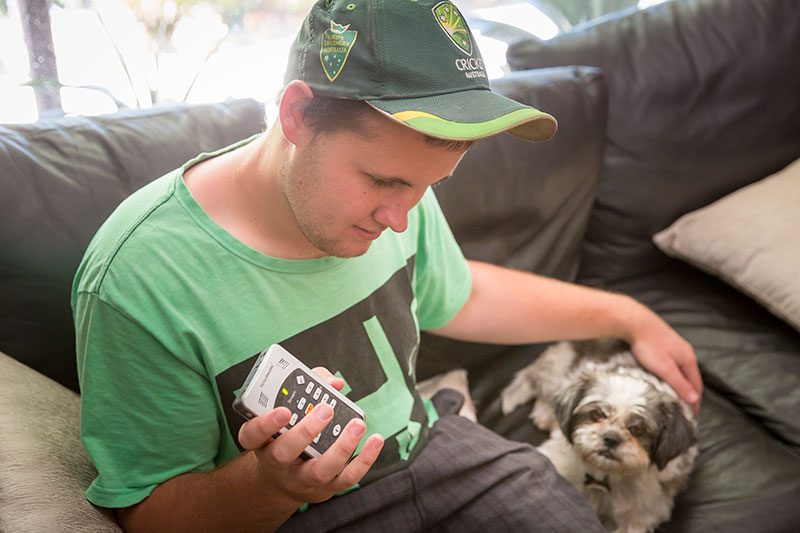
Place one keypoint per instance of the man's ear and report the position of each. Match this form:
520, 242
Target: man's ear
296, 96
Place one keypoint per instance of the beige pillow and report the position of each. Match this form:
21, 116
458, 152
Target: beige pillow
44, 468
750, 238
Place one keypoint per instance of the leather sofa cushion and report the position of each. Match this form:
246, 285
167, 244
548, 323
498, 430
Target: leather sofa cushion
702, 101
526, 205
744, 480
60, 180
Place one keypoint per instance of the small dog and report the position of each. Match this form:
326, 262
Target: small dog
620, 435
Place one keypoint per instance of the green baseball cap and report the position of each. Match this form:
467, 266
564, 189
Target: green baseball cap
415, 61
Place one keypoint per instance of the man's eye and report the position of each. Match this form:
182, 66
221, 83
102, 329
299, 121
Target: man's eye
381, 183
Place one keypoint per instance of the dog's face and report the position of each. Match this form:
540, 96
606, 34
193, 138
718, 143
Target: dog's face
620, 422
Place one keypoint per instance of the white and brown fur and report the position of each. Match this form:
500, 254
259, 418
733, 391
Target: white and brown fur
620, 435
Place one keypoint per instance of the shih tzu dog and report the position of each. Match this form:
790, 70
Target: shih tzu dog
617, 433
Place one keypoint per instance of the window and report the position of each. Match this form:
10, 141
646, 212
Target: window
112, 54
97, 56
496, 23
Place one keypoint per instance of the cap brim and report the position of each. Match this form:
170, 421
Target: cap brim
469, 115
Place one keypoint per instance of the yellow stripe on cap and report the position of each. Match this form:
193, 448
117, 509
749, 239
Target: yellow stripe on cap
409, 115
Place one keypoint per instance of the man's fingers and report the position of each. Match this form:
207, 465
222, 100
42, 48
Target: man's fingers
680, 381
359, 466
676, 364
690, 384
292, 443
325, 468
682, 386
256, 432
692, 373
344, 475
333, 381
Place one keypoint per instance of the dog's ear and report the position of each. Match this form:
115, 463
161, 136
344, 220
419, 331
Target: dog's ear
676, 435
565, 402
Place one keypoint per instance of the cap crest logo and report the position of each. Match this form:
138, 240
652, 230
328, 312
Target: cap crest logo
337, 41
452, 23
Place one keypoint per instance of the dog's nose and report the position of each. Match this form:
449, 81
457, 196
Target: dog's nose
611, 440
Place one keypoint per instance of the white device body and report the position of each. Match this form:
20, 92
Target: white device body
279, 378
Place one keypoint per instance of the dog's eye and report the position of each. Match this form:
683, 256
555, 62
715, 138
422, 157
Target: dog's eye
638, 430
597, 415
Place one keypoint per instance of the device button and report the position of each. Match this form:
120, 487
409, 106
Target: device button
336, 430
293, 420
309, 387
333, 403
301, 403
300, 379
316, 439
317, 393
325, 398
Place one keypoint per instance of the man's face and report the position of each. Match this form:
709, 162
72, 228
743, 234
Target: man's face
346, 188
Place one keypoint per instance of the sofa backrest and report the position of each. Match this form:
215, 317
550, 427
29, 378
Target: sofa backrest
526, 205
59, 180
704, 98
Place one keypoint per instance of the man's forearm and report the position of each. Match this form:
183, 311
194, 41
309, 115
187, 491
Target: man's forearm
232, 497
512, 307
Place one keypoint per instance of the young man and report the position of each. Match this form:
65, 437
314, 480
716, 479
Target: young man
323, 235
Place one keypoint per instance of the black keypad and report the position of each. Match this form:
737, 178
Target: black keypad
300, 393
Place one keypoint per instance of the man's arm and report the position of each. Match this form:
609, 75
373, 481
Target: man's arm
512, 307
261, 488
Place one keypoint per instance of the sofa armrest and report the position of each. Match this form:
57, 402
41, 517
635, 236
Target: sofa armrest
44, 468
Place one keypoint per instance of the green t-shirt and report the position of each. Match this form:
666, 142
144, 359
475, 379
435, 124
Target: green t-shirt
171, 311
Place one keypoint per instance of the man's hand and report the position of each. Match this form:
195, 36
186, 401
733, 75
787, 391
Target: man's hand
666, 354
512, 307
260, 489
313, 480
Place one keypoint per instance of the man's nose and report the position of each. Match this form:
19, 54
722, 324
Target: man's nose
393, 210
393, 215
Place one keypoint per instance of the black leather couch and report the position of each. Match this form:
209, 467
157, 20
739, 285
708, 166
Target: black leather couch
691, 100
660, 112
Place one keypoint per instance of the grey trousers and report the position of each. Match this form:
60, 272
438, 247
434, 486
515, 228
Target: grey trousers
467, 478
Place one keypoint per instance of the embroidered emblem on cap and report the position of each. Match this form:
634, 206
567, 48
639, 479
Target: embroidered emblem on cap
452, 23
337, 41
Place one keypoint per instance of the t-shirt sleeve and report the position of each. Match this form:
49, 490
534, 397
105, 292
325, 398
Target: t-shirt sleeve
442, 279
146, 416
